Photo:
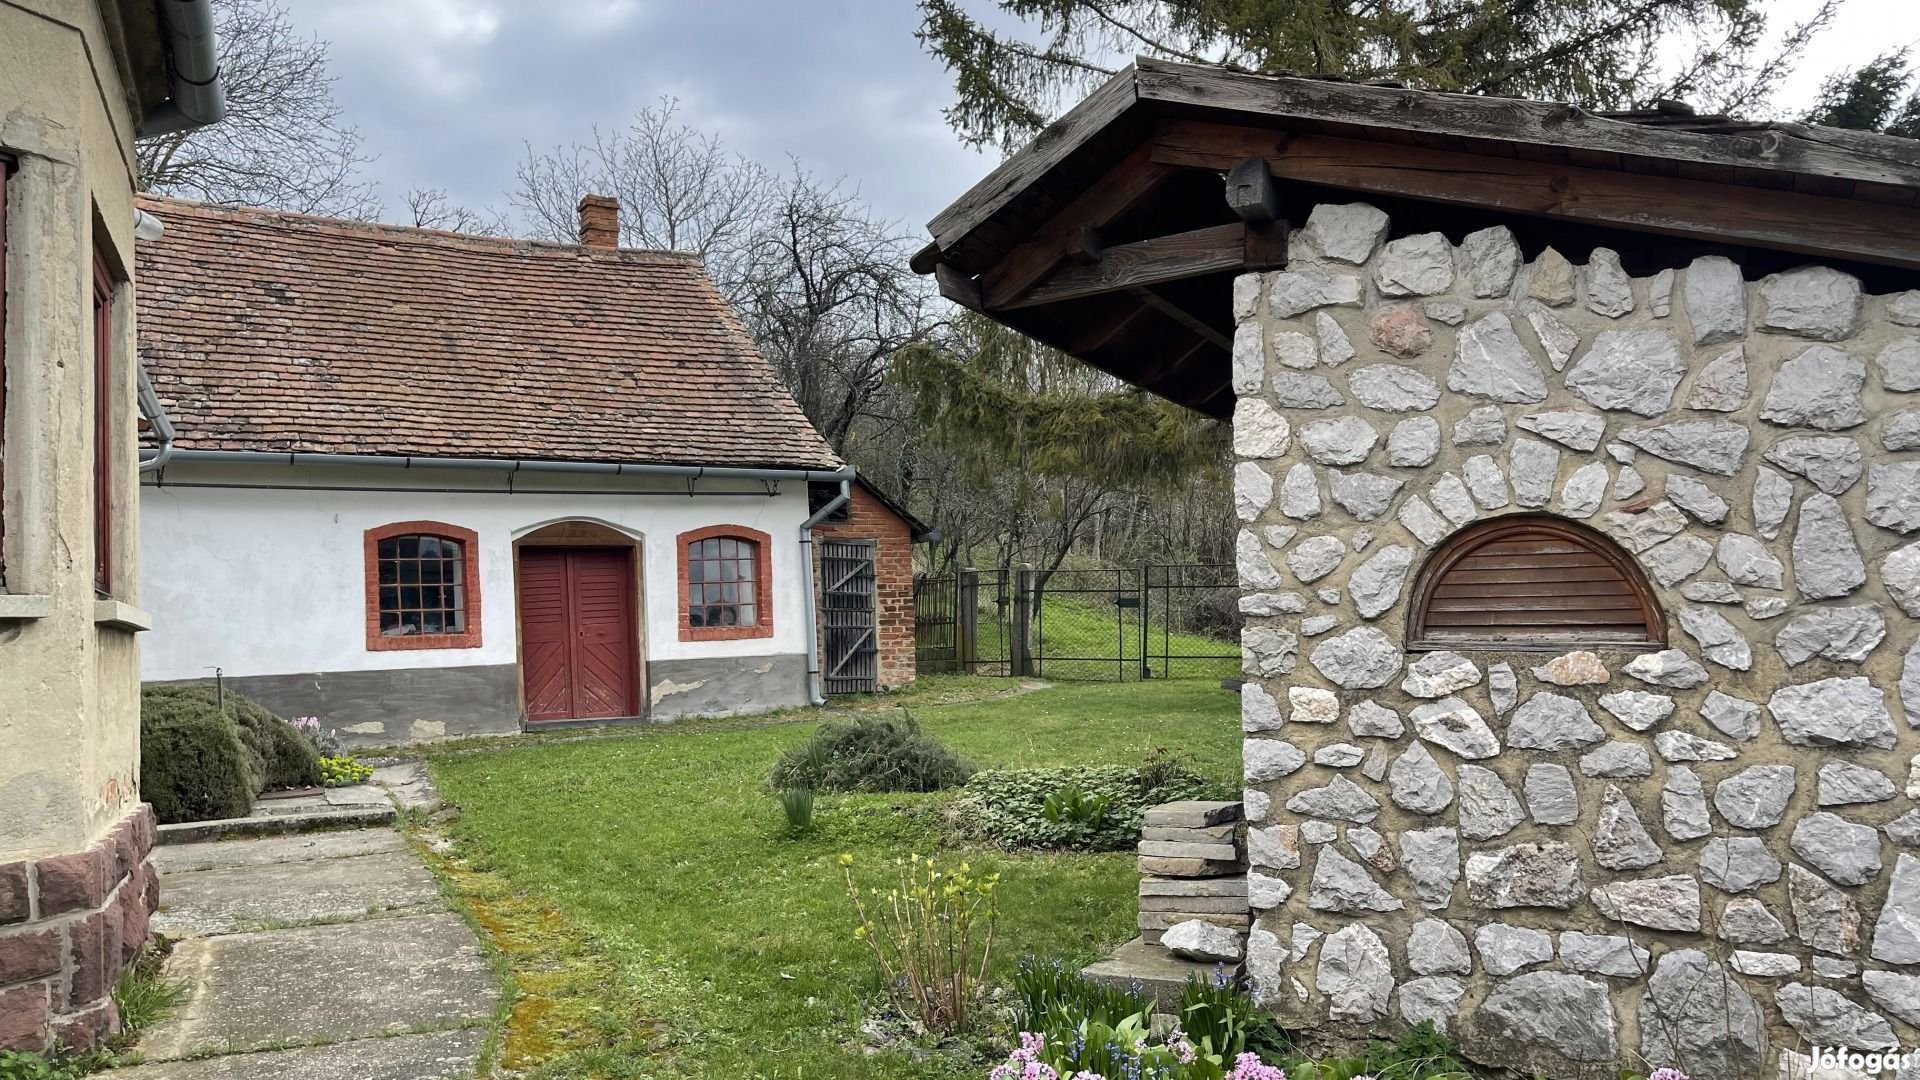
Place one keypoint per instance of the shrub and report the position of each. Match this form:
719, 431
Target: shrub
286, 758
931, 935
1009, 807
870, 753
343, 771
193, 766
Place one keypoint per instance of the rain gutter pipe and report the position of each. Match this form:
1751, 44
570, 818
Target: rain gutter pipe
156, 415
814, 691
193, 70
843, 476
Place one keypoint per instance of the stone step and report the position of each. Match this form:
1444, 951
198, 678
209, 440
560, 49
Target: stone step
1174, 849
1160, 920
1223, 905
1209, 834
1154, 970
1163, 866
1191, 814
1213, 886
351, 817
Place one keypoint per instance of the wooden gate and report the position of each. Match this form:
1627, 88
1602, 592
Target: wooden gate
849, 640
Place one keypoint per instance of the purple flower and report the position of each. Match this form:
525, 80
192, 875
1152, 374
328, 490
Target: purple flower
1668, 1073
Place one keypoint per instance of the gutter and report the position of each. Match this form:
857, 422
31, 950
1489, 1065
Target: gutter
156, 415
814, 692
193, 70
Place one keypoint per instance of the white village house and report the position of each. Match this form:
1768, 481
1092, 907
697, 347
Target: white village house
420, 484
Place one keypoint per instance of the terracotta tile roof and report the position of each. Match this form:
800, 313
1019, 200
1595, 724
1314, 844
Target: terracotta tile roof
271, 331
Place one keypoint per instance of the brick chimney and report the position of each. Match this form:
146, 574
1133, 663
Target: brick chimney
600, 221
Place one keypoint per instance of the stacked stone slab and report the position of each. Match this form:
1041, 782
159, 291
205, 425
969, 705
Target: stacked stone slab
1707, 856
1193, 867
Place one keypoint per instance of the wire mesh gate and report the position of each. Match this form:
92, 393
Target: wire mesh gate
1157, 621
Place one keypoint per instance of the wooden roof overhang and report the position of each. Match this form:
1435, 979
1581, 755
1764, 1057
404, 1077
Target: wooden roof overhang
1111, 237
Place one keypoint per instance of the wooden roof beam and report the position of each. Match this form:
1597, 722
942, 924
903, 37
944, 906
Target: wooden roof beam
1147, 262
1786, 220
1075, 229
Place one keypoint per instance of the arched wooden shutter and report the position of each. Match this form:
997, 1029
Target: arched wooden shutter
1532, 581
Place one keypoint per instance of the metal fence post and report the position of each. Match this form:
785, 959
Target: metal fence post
1020, 653
966, 615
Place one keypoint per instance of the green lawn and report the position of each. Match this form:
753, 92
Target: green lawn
657, 923
1077, 639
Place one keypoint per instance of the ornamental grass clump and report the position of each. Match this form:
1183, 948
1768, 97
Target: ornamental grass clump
931, 935
869, 754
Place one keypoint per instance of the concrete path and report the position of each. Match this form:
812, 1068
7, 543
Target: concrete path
315, 956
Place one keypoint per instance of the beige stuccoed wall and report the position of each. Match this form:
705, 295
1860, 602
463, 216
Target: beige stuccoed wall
69, 731
1403, 866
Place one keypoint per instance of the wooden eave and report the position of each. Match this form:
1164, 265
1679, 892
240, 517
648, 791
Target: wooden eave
1096, 239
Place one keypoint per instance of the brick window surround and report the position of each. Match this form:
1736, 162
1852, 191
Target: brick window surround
469, 582
763, 584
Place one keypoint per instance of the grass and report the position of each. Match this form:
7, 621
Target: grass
655, 917
1077, 639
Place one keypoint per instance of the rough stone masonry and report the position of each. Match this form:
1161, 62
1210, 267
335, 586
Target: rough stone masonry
1706, 857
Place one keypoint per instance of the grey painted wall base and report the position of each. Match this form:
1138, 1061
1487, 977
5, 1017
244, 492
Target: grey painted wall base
725, 686
408, 705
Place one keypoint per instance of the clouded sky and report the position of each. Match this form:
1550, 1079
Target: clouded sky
448, 92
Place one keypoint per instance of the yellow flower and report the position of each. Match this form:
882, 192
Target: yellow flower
860, 933
846, 859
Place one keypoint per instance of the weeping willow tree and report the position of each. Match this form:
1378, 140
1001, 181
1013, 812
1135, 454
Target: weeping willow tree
1016, 67
1047, 441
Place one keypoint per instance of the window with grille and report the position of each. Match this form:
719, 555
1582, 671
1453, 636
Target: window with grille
422, 587
723, 584
1532, 581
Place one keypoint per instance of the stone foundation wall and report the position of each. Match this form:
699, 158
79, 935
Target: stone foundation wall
1699, 857
69, 924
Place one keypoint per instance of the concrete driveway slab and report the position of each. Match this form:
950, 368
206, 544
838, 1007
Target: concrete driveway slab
323, 984
440, 1055
279, 894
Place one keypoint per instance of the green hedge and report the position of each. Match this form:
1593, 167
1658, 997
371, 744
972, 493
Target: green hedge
194, 756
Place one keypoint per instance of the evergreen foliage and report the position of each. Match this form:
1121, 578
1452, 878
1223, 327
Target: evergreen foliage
870, 753
1597, 53
193, 766
1868, 98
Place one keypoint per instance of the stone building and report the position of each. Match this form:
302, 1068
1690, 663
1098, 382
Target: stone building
83, 79
872, 651
1575, 468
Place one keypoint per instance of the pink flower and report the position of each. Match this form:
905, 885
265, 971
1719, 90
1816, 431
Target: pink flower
1668, 1074
1248, 1067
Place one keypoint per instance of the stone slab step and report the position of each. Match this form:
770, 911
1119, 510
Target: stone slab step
1160, 920
1209, 834
197, 832
1180, 886
1164, 866
439, 1055
1158, 972
1191, 814
1174, 849
1218, 905
265, 850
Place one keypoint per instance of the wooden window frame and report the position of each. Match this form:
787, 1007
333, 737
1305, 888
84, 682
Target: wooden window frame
469, 542
762, 627
1467, 540
104, 413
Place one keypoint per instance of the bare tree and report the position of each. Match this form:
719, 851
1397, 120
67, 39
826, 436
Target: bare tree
282, 144
431, 208
679, 189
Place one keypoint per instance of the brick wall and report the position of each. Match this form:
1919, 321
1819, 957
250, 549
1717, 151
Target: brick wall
869, 519
68, 925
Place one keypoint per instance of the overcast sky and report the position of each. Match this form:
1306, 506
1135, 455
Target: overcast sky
448, 92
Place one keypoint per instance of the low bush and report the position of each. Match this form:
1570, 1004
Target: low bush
931, 936
193, 766
870, 753
197, 751
344, 771
1084, 808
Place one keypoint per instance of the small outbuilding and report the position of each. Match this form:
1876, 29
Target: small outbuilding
1577, 481
419, 484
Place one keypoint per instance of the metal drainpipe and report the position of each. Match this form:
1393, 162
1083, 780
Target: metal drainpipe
812, 621
156, 415
193, 70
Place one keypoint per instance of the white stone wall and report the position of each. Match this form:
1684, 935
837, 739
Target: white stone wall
1703, 857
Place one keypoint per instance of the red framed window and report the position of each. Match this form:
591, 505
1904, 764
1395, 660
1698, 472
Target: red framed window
423, 586
104, 388
725, 584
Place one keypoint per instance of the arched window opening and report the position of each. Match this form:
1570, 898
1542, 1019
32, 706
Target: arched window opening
724, 583
423, 587
1532, 581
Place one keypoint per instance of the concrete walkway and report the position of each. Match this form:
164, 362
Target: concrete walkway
315, 956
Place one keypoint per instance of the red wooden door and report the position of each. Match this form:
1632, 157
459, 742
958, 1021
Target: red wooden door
577, 654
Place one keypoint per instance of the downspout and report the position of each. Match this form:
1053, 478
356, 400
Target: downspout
193, 70
156, 415
814, 693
